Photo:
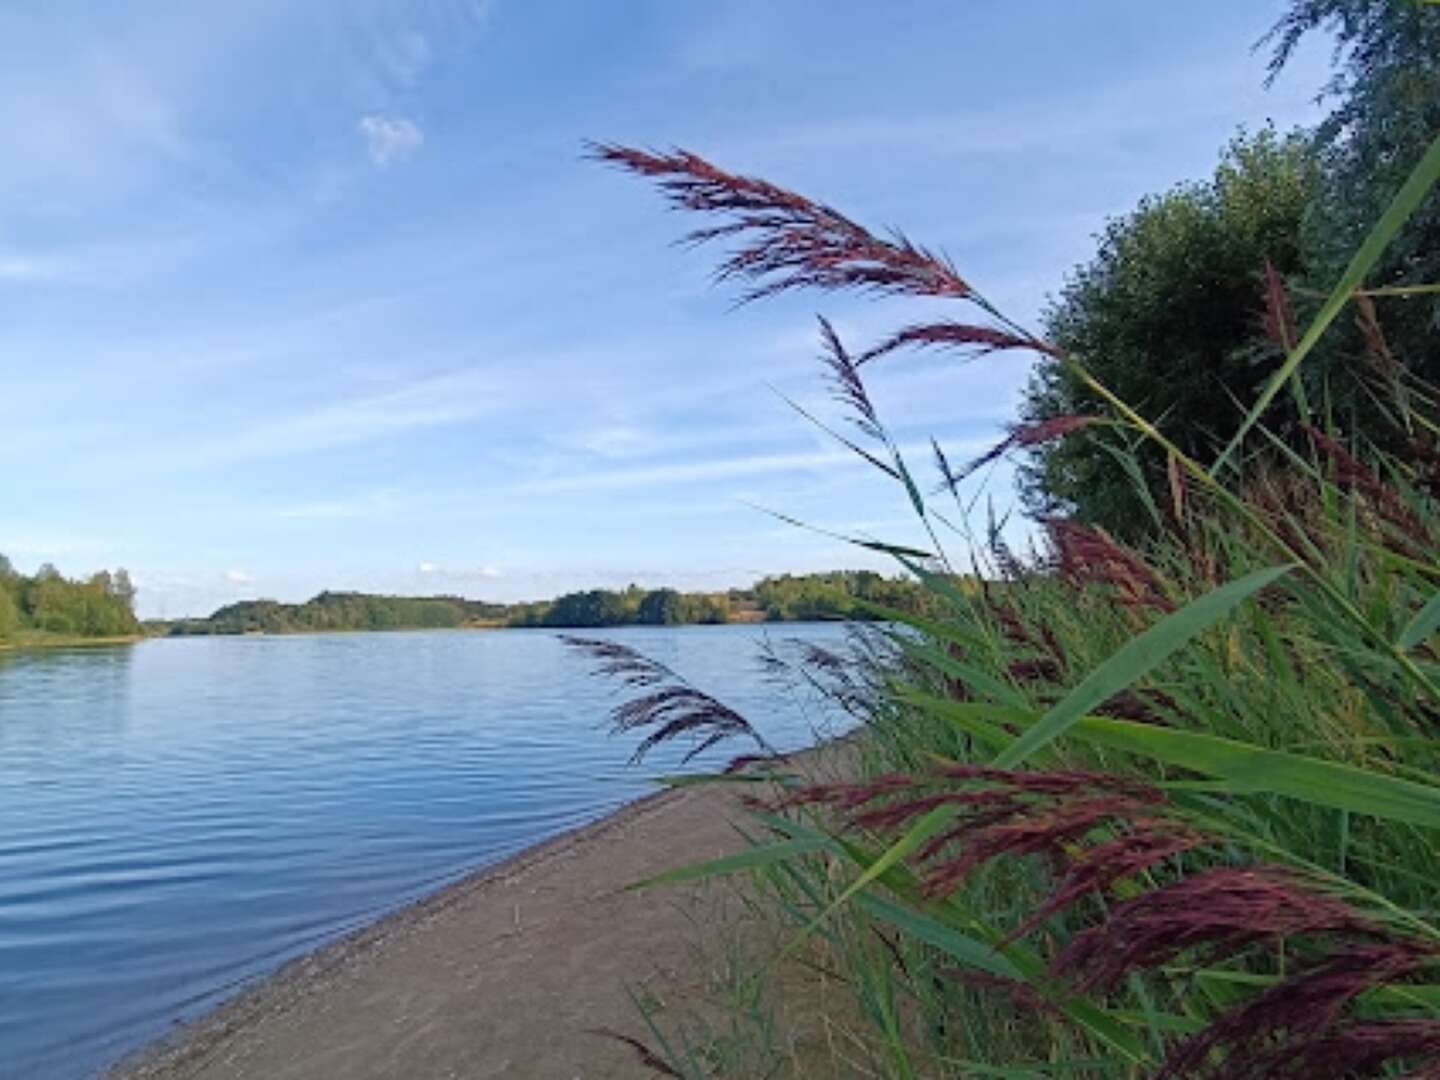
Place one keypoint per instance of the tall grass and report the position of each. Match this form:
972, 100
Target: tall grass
1166, 811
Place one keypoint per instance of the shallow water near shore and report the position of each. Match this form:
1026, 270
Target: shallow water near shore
182, 816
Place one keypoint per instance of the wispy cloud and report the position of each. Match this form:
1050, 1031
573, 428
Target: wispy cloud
452, 398
95, 124
236, 576
716, 469
390, 139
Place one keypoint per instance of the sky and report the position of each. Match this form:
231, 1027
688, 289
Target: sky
326, 295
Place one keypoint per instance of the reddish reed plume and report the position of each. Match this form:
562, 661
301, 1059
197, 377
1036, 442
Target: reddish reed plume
969, 337
1023, 435
1280, 324
787, 241
1085, 555
1298, 1028
1354, 475
1219, 912
671, 710
1099, 828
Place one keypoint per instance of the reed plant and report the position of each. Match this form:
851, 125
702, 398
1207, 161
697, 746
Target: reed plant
1165, 810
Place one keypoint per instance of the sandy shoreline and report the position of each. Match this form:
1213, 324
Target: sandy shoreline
507, 972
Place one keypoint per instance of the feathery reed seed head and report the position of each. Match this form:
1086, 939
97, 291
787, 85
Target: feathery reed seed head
674, 710
789, 241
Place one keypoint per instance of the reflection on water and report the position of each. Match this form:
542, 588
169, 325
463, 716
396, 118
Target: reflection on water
181, 816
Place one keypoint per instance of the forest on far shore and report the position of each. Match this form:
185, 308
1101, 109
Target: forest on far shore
841, 594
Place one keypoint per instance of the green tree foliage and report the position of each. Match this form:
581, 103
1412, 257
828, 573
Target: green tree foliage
49, 603
594, 607
662, 607
712, 608
1166, 313
9, 600
1386, 98
1169, 315
837, 595
9, 615
788, 598
634, 606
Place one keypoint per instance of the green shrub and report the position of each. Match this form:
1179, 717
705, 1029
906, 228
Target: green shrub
1169, 315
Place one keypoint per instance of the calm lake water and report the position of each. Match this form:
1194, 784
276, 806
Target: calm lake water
182, 816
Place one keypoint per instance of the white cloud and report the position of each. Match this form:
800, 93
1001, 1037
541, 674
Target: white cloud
489, 572
427, 568
390, 139
238, 577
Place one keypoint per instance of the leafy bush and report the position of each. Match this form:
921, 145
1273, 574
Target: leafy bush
1169, 316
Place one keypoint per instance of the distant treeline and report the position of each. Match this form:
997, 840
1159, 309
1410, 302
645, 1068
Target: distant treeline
340, 611
630, 607
787, 598
842, 594
50, 605
839, 594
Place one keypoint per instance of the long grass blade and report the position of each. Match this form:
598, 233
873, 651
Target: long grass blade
1425, 623
745, 860
968, 950
1256, 769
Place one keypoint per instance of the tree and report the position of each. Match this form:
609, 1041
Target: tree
1386, 93
708, 608
1168, 314
9, 615
597, 607
661, 607
122, 588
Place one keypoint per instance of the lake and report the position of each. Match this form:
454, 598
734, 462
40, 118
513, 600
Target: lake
182, 816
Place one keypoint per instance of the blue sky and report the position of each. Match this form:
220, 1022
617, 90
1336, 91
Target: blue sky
313, 295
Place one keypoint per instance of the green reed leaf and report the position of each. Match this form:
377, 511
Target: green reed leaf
1140, 655
1425, 623
745, 860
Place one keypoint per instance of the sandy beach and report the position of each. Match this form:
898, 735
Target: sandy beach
515, 971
